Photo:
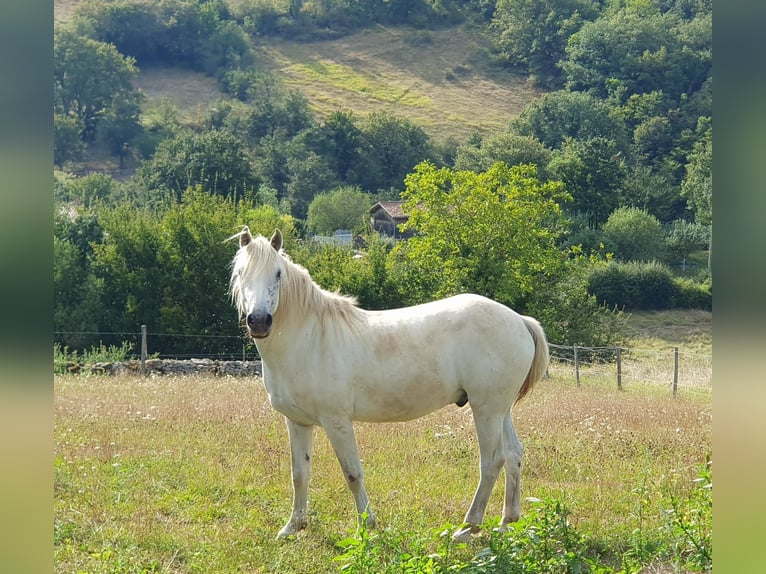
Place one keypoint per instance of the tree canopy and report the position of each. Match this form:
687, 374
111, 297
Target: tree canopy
493, 233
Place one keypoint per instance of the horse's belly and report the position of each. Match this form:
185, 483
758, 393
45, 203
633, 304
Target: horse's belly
383, 405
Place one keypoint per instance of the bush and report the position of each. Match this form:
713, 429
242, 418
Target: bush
648, 286
570, 314
690, 294
632, 234
633, 285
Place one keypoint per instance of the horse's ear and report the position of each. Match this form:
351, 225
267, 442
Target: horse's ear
276, 240
244, 236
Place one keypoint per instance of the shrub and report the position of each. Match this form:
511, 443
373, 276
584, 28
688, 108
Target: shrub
632, 234
690, 294
633, 285
648, 286
570, 314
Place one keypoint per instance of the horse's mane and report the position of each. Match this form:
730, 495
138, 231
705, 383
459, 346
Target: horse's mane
298, 291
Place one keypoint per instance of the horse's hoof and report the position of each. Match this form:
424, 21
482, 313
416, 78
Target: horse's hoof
291, 529
464, 534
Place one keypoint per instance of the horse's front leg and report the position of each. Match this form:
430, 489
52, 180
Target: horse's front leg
301, 442
343, 441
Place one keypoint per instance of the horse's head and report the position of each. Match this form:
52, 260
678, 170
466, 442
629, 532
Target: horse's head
255, 279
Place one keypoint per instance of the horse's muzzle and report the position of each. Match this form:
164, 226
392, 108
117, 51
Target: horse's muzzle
259, 324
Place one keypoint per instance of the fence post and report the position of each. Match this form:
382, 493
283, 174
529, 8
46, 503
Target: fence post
143, 350
577, 366
243, 352
619, 368
675, 371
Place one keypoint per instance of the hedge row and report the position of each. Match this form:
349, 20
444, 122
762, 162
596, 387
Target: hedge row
648, 286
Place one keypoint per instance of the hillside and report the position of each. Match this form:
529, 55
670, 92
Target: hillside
438, 79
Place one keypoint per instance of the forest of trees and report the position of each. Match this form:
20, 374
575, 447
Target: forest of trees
596, 198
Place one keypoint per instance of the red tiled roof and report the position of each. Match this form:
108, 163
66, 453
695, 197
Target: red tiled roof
393, 208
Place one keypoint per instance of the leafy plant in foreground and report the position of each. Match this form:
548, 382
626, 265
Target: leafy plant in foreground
689, 524
542, 542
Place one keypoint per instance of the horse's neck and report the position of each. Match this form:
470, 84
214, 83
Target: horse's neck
309, 313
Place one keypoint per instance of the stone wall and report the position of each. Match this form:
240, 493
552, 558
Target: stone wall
171, 367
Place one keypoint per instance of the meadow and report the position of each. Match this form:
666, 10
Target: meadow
192, 474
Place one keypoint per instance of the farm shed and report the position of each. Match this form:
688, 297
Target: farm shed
387, 216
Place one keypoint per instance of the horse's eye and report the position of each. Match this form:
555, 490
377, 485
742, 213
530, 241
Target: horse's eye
279, 274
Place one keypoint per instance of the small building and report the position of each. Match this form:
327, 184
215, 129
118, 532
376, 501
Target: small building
387, 216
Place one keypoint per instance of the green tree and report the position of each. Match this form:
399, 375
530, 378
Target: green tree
214, 159
493, 233
654, 191
77, 303
697, 186
195, 258
557, 116
570, 314
88, 190
593, 174
121, 125
634, 235
684, 237
77, 307
309, 176
508, 147
198, 35
88, 78
342, 208
339, 140
391, 147
67, 144
533, 34
129, 261
633, 50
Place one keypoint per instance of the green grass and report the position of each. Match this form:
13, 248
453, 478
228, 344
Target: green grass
346, 78
191, 474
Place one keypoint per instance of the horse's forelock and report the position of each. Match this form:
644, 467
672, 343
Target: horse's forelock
251, 259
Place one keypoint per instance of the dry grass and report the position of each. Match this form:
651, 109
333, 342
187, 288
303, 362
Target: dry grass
188, 474
690, 330
192, 93
63, 10
437, 79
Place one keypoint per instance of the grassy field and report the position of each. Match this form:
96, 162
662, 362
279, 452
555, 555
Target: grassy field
191, 474
438, 79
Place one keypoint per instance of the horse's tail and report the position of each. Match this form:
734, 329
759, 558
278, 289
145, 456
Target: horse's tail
540, 360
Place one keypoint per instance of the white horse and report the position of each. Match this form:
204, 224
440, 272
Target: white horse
327, 362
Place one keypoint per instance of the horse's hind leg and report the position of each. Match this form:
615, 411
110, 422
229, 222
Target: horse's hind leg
513, 452
343, 441
489, 428
301, 442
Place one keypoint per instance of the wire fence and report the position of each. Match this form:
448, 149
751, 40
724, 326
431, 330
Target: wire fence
168, 345
625, 366
670, 367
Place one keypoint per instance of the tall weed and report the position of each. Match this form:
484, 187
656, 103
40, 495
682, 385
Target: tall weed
63, 358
